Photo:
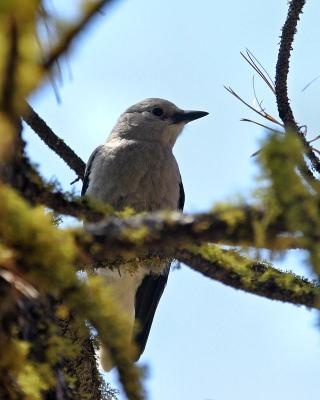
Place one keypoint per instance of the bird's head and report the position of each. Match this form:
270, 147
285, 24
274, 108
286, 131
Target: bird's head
155, 120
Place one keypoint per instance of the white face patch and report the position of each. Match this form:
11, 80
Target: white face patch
172, 132
146, 114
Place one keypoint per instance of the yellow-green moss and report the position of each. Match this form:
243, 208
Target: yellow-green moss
290, 192
44, 252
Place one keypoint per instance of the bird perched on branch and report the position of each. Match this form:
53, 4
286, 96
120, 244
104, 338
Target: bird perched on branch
136, 168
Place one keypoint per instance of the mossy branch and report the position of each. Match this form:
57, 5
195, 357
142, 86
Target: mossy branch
160, 231
255, 277
37, 259
234, 225
225, 266
291, 194
46, 262
28, 181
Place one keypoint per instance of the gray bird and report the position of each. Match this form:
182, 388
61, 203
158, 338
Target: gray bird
136, 168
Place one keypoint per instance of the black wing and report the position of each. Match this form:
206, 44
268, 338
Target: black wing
148, 296
146, 302
182, 196
86, 178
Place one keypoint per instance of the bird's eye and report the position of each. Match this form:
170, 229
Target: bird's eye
157, 111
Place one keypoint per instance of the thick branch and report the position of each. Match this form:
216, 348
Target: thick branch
160, 228
282, 70
57, 201
53, 141
31, 185
162, 231
83, 369
221, 265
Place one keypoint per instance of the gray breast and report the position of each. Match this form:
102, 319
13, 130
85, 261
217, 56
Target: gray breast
141, 175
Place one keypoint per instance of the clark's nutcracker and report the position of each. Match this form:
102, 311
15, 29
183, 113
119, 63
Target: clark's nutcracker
136, 168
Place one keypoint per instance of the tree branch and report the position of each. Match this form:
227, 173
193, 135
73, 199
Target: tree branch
9, 79
161, 227
256, 278
225, 266
26, 179
282, 70
62, 47
164, 231
53, 141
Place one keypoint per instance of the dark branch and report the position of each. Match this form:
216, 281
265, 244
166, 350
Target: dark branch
53, 141
162, 228
73, 32
60, 203
163, 232
83, 369
8, 89
159, 229
224, 266
39, 192
28, 182
282, 70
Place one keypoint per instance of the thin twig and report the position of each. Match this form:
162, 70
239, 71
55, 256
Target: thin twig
262, 113
258, 123
310, 83
314, 139
73, 32
44, 18
258, 67
263, 126
255, 95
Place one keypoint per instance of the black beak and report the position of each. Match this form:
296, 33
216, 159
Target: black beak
187, 116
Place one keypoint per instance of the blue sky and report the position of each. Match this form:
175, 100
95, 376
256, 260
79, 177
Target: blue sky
208, 341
